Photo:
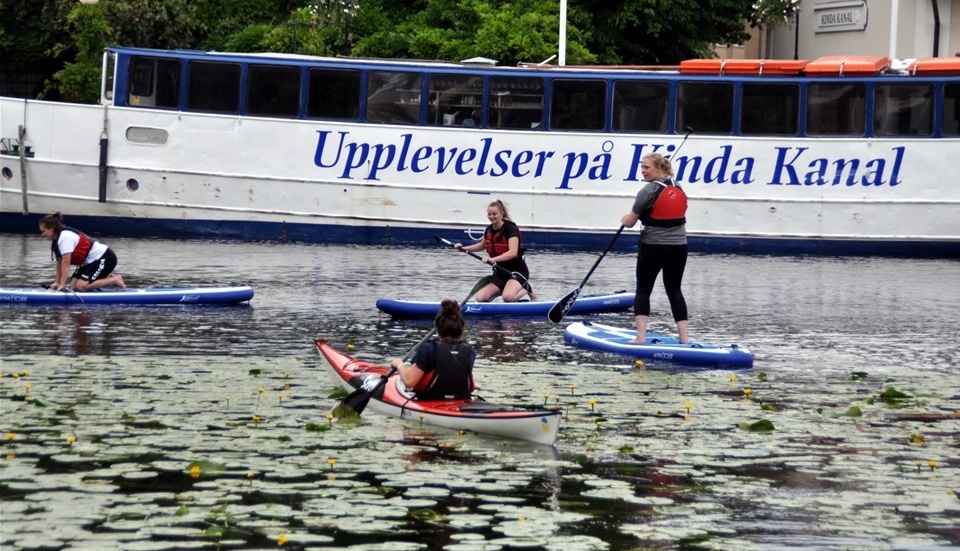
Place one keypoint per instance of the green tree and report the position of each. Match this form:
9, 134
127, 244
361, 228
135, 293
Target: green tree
639, 32
773, 13
79, 80
510, 31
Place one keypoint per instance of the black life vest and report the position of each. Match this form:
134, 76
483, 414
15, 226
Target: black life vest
668, 208
79, 254
452, 377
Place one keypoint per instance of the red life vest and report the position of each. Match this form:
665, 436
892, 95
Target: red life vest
79, 254
668, 209
498, 242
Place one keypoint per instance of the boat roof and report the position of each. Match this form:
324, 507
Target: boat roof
841, 66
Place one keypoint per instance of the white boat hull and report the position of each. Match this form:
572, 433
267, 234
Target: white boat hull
265, 178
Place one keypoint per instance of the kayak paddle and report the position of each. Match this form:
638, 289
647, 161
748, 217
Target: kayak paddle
523, 281
560, 309
358, 399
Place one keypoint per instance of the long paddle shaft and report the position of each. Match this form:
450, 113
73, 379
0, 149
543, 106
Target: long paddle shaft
358, 399
523, 281
560, 309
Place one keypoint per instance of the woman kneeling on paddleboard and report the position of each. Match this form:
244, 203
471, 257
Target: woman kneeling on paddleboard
442, 368
504, 246
95, 261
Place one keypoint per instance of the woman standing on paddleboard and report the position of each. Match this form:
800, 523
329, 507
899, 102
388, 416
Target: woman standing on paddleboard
504, 246
661, 206
95, 261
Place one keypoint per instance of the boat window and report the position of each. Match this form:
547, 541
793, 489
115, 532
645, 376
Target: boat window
109, 69
836, 109
273, 91
951, 109
578, 104
333, 94
153, 82
640, 106
707, 107
903, 110
393, 97
770, 109
214, 87
455, 100
141, 76
516, 102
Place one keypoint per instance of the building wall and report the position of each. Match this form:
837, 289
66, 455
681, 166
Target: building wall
900, 29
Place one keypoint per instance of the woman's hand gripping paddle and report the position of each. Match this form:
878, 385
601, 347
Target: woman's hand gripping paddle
560, 309
358, 399
517, 275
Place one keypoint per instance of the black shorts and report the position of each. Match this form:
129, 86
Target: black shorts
98, 269
500, 278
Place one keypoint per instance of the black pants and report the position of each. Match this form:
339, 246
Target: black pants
671, 260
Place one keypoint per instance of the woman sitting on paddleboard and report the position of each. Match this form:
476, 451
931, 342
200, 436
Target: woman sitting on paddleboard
661, 206
442, 368
95, 261
504, 246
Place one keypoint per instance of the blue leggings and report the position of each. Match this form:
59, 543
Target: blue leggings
671, 259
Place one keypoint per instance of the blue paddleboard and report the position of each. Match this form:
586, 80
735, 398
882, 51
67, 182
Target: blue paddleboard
147, 295
585, 304
659, 348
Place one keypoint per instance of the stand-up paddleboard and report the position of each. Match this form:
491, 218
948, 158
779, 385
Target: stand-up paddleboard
586, 304
659, 348
144, 296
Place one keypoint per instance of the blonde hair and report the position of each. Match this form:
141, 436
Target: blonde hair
660, 162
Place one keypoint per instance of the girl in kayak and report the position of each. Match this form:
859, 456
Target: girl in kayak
95, 261
504, 246
442, 368
661, 206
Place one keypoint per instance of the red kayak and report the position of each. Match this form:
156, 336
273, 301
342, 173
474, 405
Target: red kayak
472, 414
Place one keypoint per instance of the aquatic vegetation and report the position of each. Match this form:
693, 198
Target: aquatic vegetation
763, 425
629, 479
854, 411
893, 397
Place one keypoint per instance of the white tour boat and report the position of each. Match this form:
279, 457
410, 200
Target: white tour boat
838, 155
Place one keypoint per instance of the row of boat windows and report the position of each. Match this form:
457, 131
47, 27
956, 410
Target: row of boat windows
518, 102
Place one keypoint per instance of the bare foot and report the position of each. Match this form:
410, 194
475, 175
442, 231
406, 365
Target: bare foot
119, 284
638, 341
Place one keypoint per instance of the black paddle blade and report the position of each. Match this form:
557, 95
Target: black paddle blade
358, 399
560, 309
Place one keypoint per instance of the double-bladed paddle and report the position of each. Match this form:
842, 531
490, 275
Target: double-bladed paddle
523, 280
358, 399
560, 309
